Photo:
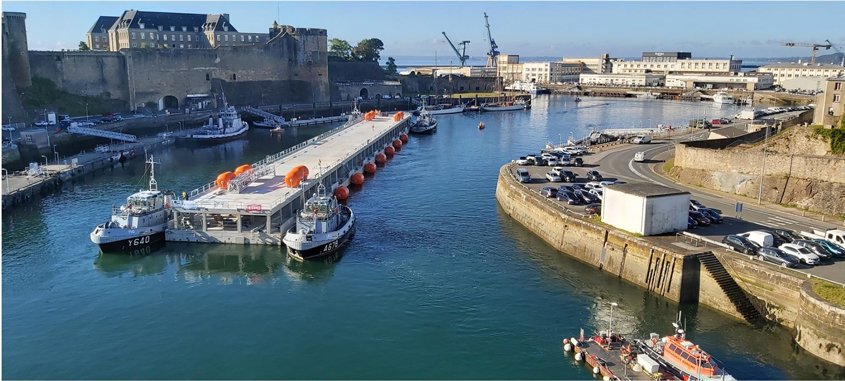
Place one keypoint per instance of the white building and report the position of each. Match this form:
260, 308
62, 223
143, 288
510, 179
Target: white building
601, 65
623, 80
645, 208
784, 72
676, 62
508, 68
550, 72
759, 81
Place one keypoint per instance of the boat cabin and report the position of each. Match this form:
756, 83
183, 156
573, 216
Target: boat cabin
689, 356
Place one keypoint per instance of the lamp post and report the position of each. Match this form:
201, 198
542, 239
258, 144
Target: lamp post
45, 159
610, 328
763, 168
55, 152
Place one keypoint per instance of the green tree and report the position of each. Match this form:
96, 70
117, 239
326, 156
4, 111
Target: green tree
391, 65
368, 50
340, 48
83, 46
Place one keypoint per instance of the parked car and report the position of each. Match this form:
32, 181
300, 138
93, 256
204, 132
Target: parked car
773, 255
699, 218
759, 237
741, 244
787, 235
598, 193
522, 161
639, 156
533, 158
588, 197
837, 251
695, 205
569, 197
551, 161
579, 162
568, 176
548, 192
592, 185
523, 176
714, 217
565, 188
815, 248
691, 224
592, 209
594, 175
579, 186
553, 177
606, 183
803, 254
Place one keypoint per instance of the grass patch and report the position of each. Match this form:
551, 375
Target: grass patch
668, 165
836, 137
45, 94
830, 292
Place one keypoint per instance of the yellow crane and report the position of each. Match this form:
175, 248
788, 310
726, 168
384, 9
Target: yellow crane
815, 47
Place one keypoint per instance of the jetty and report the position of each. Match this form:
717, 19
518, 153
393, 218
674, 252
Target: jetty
256, 207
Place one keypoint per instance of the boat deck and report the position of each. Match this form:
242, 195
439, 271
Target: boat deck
609, 359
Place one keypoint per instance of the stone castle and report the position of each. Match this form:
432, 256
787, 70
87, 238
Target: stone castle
290, 66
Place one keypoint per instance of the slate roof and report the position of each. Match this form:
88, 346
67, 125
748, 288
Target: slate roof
103, 24
152, 20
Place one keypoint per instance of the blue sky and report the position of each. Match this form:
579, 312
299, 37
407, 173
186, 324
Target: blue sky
554, 29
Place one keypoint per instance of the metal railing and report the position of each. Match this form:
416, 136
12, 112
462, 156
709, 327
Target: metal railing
103, 133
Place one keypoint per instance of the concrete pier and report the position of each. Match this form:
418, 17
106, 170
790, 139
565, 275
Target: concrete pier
257, 207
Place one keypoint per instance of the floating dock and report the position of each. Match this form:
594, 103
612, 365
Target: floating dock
257, 207
613, 358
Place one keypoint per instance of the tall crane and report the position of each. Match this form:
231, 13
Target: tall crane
493, 53
809, 45
836, 48
462, 55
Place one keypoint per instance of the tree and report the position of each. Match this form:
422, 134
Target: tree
368, 50
340, 49
83, 46
391, 65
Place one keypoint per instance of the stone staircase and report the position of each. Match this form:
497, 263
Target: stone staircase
730, 287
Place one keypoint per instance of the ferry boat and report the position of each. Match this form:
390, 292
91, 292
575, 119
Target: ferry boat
139, 223
505, 106
229, 126
323, 227
683, 357
424, 124
443, 109
723, 98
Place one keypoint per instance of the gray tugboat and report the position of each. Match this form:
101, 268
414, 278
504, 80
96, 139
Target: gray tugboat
136, 225
323, 227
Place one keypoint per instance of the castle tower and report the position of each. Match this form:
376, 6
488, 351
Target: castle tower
15, 49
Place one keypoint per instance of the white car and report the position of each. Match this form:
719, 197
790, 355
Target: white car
639, 157
557, 170
598, 192
522, 161
551, 161
553, 177
606, 183
593, 185
802, 253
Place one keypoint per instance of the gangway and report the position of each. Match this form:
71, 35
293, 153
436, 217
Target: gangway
102, 133
264, 114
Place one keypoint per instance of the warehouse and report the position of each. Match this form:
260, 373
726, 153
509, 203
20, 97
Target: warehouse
645, 208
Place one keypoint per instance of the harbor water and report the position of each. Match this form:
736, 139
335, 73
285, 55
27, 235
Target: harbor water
437, 283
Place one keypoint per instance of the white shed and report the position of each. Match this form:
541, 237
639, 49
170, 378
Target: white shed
645, 208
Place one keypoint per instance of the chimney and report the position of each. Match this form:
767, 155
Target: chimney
226, 15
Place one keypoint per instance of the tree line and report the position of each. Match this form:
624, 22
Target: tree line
368, 50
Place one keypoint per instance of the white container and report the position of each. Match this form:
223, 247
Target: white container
648, 364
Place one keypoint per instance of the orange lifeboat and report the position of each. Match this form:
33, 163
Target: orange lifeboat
389, 151
296, 175
342, 193
357, 179
242, 169
381, 158
397, 144
223, 179
403, 138
370, 168
398, 116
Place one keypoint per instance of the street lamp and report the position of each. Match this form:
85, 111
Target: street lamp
45, 160
56, 153
610, 328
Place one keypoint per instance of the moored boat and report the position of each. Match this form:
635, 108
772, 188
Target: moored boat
505, 106
443, 109
322, 228
139, 223
229, 126
424, 124
723, 98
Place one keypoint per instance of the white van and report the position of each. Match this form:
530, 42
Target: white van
641, 139
761, 238
523, 176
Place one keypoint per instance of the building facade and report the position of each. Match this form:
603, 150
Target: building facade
165, 30
508, 68
830, 105
746, 81
623, 80
676, 62
601, 65
784, 72
550, 72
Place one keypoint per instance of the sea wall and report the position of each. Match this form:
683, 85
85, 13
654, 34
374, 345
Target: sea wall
89, 73
821, 327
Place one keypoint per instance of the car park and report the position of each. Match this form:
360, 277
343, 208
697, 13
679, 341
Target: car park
594, 175
592, 209
740, 244
553, 177
569, 197
549, 192
803, 254
821, 252
699, 218
774, 255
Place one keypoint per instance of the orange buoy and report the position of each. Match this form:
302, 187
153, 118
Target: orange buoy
342, 193
370, 168
403, 138
357, 179
397, 144
389, 151
381, 158
480, 125
242, 169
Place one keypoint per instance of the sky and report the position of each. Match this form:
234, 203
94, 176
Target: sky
547, 29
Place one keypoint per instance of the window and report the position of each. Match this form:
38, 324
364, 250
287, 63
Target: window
836, 98
250, 38
226, 37
152, 35
242, 38
182, 46
172, 37
165, 37
219, 38
160, 28
184, 29
234, 76
837, 86
189, 38
181, 37
207, 77
172, 28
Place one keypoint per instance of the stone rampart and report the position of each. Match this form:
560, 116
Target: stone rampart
821, 327
94, 74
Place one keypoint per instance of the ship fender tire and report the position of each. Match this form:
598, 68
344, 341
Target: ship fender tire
596, 370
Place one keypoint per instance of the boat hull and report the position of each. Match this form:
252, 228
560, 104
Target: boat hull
132, 244
453, 110
423, 130
324, 250
503, 108
194, 139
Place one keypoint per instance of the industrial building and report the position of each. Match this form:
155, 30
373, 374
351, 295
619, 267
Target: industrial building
623, 80
601, 65
785, 71
747, 81
550, 72
508, 68
676, 62
645, 208
830, 105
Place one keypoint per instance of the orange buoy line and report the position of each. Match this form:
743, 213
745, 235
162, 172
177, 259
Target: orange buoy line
370, 168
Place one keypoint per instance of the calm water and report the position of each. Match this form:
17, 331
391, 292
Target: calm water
437, 283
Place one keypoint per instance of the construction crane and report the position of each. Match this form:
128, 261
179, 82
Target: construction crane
809, 45
836, 48
462, 55
493, 53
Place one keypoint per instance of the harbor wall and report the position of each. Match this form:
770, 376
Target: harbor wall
821, 327
88, 73
425, 84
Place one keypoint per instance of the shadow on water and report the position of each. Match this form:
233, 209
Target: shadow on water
748, 352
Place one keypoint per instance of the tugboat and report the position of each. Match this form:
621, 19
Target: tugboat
425, 124
139, 223
681, 356
229, 126
323, 227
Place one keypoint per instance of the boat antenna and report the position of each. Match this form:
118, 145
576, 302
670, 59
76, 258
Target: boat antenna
153, 183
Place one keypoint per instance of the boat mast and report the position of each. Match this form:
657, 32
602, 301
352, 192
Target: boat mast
153, 183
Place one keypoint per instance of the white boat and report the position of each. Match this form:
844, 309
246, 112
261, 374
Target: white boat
323, 227
229, 126
443, 109
136, 225
647, 95
505, 106
723, 98
528, 87
424, 124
